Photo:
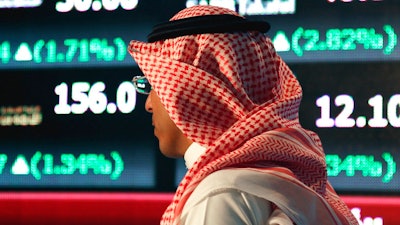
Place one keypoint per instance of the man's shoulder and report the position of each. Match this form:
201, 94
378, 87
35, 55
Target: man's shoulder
223, 187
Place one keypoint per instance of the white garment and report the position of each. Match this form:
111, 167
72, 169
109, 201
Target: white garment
216, 204
192, 154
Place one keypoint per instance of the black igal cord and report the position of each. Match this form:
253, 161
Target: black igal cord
224, 23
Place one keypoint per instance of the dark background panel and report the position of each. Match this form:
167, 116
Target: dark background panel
361, 74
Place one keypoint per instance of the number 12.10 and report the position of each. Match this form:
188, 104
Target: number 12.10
343, 119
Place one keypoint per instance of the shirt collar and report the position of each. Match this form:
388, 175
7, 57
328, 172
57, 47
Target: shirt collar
192, 154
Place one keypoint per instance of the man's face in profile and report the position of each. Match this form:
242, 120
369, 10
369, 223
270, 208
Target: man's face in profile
172, 142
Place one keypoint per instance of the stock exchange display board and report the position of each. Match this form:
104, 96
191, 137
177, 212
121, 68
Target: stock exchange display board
70, 118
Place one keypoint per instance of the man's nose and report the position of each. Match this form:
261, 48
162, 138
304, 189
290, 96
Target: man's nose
148, 105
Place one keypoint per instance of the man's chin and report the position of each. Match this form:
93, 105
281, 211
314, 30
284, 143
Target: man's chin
170, 153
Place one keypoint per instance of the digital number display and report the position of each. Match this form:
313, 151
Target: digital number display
97, 163
364, 36
248, 7
71, 119
70, 51
87, 130
364, 164
355, 109
344, 119
21, 115
346, 39
92, 97
96, 5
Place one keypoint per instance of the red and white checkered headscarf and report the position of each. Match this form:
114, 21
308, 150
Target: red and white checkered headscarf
231, 93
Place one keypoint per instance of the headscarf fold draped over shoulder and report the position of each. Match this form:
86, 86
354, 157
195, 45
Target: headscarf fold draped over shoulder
231, 93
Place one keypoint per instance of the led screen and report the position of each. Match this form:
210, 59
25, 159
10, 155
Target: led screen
70, 118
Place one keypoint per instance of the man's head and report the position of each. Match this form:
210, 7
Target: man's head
209, 81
